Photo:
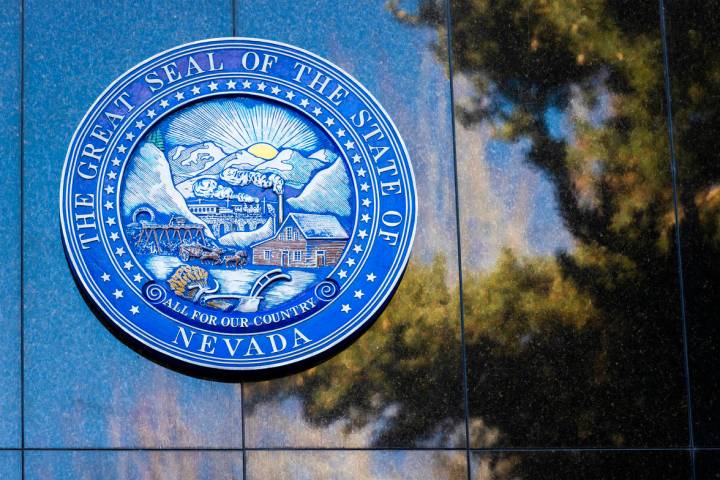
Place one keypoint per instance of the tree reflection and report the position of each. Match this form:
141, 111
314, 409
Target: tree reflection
580, 348
356, 465
412, 346
610, 373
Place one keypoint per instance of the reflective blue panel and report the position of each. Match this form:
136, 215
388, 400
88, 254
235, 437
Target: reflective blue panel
10, 225
357, 464
124, 465
10, 466
84, 387
375, 393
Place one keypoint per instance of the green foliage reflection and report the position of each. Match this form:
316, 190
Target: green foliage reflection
577, 349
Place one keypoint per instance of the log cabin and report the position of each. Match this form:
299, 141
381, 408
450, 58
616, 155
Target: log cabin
304, 240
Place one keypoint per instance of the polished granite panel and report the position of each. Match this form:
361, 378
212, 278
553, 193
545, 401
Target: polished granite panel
356, 464
10, 226
133, 465
570, 282
10, 465
83, 387
707, 465
400, 384
570, 279
586, 465
694, 64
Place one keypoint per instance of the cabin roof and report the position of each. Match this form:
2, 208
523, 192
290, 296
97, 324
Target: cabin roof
314, 226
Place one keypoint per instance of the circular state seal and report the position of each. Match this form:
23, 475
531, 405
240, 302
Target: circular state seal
237, 205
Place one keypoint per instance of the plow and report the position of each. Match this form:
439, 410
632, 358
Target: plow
191, 283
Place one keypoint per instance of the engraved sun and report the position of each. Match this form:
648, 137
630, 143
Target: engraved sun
263, 150
235, 125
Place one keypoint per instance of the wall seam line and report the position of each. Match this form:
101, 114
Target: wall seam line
678, 237
609, 450
233, 4
463, 347
233, 31
242, 421
22, 237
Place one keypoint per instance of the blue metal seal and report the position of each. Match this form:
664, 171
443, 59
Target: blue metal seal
237, 205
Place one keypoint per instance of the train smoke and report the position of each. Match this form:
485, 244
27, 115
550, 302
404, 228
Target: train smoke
242, 178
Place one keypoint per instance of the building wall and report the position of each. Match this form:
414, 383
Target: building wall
276, 247
333, 251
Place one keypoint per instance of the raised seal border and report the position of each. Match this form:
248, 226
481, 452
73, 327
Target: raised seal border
320, 348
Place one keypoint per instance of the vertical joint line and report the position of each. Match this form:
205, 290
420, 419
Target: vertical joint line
242, 428
233, 4
21, 152
678, 237
463, 349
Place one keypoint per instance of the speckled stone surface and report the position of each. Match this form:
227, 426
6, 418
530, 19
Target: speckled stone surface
327, 464
10, 228
160, 465
549, 121
10, 465
572, 309
83, 387
707, 465
558, 465
380, 404
693, 62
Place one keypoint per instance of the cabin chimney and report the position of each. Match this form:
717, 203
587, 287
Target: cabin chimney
280, 209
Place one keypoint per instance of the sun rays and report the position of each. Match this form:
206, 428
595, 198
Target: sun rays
234, 124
